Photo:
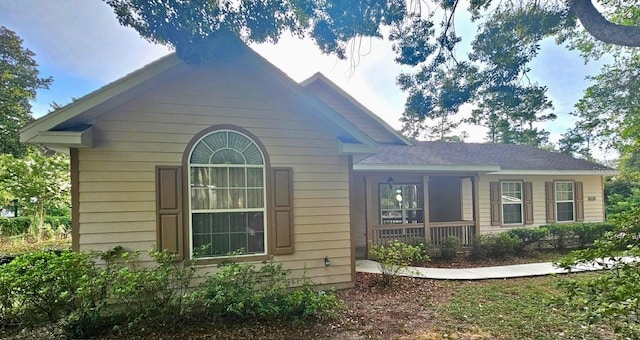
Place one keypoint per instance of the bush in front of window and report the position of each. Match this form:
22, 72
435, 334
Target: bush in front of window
395, 257
243, 291
529, 237
576, 235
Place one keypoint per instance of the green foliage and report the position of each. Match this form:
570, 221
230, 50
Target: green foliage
395, 257
528, 236
496, 246
575, 235
610, 296
38, 183
244, 291
20, 225
44, 286
19, 81
449, 248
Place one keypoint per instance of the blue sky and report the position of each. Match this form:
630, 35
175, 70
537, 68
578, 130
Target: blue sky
83, 47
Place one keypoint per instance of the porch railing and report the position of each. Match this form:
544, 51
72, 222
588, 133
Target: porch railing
414, 233
463, 230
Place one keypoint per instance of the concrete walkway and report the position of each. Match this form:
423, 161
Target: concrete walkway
480, 273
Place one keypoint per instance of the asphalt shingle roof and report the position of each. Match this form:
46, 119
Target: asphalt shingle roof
506, 156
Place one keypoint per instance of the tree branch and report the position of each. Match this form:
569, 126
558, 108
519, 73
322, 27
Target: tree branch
602, 29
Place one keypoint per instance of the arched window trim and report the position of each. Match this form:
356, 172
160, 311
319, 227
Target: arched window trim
265, 166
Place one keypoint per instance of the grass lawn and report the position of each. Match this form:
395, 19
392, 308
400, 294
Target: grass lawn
528, 308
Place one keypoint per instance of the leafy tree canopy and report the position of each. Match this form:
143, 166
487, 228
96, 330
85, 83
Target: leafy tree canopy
493, 76
19, 81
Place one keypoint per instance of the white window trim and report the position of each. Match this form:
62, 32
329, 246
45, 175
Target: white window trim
572, 201
503, 203
264, 187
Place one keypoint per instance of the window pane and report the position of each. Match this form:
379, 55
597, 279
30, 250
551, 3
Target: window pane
237, 199
391, 216
237, 177
255, 198
410, 196
564, 191
254, 177
511, 192
389, 196
565, 211
227, 232
414, 216
511, 213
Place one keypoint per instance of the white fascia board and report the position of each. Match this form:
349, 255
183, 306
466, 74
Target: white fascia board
595, 172
424, 167
356, 149
64, 139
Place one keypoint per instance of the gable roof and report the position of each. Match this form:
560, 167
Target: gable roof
367, 121
487, 157
67, 126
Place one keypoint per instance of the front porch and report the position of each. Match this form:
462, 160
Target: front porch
412, 208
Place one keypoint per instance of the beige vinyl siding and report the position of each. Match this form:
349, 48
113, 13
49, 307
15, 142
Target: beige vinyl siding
592, 186
352, 113
117, 177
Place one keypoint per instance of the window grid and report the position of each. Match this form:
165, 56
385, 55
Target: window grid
227, 200
512, 207
564, 201
401, 203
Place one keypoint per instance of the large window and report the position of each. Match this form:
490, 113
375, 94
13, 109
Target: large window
511, 202
401, 204
564, 201
227, 184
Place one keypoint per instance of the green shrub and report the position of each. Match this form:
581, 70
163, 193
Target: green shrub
479, 249
396, 256
561, 235
449, 248
609, 296
501, 245
528, 236
44, 286
587, 233
12, 226
245, 292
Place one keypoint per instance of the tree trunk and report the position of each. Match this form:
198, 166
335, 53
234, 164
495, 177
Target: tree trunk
602, 29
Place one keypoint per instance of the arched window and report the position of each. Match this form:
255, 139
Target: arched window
227, 195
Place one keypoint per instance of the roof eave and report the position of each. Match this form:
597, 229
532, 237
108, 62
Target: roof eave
63, 139
98, 97
426, 167
378, 120
593, 172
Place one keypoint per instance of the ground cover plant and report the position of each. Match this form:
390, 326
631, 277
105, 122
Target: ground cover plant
410, 309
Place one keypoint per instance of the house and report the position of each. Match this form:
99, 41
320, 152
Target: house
232, 154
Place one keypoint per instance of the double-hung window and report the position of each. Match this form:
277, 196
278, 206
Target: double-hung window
564, 201
401, 203
512, 208
227, 195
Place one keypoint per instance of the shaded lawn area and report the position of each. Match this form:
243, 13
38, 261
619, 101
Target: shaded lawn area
526, 308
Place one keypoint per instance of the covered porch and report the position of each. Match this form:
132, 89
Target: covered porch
413, 208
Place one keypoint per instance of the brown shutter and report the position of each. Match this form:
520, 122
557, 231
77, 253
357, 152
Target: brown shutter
549, 191
496, 206
282, 231
169, 209
527, 193
578, 193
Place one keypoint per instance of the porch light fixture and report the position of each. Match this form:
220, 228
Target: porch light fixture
390, 181
327, 262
